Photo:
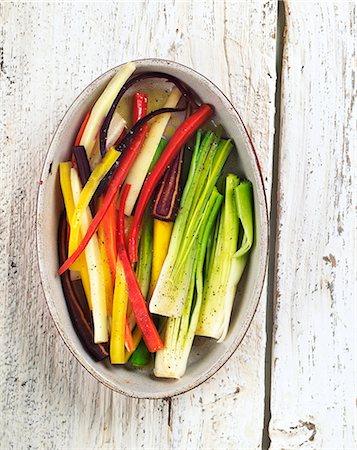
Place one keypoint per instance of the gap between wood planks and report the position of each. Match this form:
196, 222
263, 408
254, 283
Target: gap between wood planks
271, 275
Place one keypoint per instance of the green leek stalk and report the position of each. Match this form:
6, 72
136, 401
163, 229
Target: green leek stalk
210, 154
226, 264
171, 361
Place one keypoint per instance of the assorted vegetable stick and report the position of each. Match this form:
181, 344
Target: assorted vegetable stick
162, 236
95, 269
184, 255
81, 264
108, 282
80, 318
109, 224
143, 319
120, 301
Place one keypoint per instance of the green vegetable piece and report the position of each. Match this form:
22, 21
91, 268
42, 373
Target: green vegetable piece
171, 361
141, 356
225, 263
143, 268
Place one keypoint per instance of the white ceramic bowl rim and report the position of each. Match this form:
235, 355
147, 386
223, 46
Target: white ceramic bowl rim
264, 231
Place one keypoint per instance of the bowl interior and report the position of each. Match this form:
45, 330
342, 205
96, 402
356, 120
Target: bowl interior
206, 356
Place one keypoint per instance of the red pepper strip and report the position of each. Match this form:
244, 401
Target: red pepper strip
81, 130
146, 325
181, 136
140, 106
110, 231
119, 176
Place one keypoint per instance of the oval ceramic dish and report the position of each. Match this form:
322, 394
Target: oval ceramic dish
206, 355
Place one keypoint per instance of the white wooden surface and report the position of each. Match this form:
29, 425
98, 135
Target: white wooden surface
314, 344
49, 52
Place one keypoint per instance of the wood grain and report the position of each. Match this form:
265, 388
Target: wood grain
314, 344
49, 53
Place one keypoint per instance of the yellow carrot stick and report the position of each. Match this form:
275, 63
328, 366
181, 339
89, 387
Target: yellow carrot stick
162, 235
81, 264
120, 302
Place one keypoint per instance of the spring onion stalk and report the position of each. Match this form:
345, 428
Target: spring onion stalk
80, 265
87, 194
226, 263
95, 269
140, 168
101, 107
171, 361
210, 154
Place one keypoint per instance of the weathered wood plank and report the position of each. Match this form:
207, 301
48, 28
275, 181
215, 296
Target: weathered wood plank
314, 344
50, 52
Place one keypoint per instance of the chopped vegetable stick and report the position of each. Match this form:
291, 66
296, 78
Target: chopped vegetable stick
95, 269
86, 195
106, 270
141, 356
81, 130
80, 316
109, 224
227, 263
102, 105
244, 202
80, 265
171, 362
139, 169
162, 235
143, 267
137, 301
120, 301
129, 344
136, 340
116, 129
140, 106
